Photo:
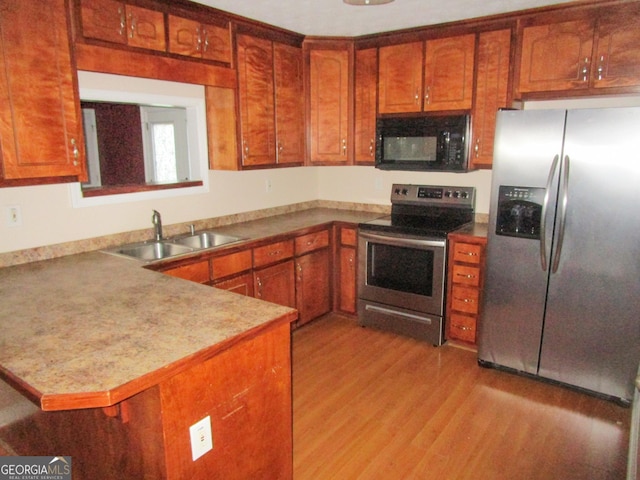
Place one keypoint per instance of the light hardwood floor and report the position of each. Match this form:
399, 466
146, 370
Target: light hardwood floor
374, 405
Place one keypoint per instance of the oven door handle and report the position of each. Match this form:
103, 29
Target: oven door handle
402, 241
396, 313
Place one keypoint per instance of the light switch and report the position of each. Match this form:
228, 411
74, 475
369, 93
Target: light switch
201, 438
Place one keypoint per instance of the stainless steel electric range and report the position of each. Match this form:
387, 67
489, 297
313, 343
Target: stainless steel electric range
402, 259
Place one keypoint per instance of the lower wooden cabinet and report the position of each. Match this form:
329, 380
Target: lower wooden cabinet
464, 286
313, 292
242, 284
346, 287
276, 284
198, 271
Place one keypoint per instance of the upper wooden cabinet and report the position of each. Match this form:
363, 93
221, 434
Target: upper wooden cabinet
271, 102
598, 49
40, 122
197, 39
366, 75
118, 22
491, 94
329, 110
447, 83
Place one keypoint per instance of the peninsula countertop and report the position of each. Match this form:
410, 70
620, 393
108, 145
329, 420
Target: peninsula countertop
91, 329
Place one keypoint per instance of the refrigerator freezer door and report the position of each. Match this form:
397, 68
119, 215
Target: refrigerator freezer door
591, 333
511, 322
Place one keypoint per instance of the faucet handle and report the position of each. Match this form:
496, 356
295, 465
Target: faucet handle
192, 229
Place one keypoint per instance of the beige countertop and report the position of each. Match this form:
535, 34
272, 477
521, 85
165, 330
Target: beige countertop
91, 329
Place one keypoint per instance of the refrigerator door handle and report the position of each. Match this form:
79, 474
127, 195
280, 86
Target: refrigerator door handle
564, 189
543, 220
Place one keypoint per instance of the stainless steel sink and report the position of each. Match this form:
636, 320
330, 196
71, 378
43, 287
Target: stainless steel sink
149, 251
205, 239
158, 250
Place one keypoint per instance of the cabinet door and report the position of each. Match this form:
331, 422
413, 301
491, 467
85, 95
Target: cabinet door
242, 284
40, 122
448, 73
556, 56
289, 104
400, 77
617, 52
491, 92
329, 97
313, 292
104, 20
276, 284
184, 36
366, 70
216, 43
196, 272
255, 79
145, 28
347, 287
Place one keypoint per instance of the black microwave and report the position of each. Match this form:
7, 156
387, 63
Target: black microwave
426, 143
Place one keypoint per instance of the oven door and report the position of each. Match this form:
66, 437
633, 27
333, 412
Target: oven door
403, 271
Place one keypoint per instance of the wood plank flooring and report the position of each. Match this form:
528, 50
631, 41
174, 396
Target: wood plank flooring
374, 405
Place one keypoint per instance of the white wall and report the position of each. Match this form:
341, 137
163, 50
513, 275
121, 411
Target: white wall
48, 216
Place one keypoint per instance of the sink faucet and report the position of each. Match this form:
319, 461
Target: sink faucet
156, 219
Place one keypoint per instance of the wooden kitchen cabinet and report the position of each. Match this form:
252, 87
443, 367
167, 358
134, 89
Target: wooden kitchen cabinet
447, 83
329, 98
271, 102
256, 99
448, 73
273, 274
195, 38
43, 137
346, 288
199, 271
400, 78
232, 272
313, 275
491, 93
118, 22
592, 50
464, 286
366, 99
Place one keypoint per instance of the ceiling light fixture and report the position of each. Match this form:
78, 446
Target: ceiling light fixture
367, 2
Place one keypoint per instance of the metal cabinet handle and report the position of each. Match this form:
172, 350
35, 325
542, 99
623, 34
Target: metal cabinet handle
585, 70
275, 252
76, 151
246, 148
344, 146
371, 145
465, 300
198, 39
427, 96
205, 33
600, 67
476, 148
462, 327
417, 97
123, 21
259, 286
465, 275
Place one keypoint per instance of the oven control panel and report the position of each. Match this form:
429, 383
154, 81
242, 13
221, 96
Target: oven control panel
433, 195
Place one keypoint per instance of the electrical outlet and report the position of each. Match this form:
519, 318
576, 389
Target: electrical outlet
201, 438
267, 185
13, 216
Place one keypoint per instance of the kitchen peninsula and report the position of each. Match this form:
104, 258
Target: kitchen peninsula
122, 361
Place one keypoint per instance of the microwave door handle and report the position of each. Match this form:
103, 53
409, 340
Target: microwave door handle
543, 216
563, 214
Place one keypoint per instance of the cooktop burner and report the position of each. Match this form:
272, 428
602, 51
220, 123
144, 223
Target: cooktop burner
426, 210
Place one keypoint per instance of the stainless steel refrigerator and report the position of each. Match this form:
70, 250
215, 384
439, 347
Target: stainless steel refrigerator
562, 288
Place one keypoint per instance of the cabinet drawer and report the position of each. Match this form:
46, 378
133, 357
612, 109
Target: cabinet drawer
311, 242
467, 252
230, 264
196, 272
462, 328
348, 236
466, 275
465, 299
272, 253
